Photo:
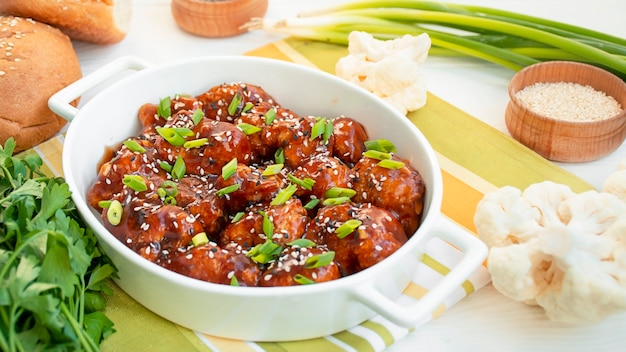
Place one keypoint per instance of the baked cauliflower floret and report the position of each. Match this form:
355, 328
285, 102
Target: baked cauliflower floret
563, 251
387, 68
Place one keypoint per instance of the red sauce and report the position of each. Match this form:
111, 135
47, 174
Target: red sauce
250, 238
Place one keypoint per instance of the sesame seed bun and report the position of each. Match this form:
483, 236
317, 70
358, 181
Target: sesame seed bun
36, 61
93, 21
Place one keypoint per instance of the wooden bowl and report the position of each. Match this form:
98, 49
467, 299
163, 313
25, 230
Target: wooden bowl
559, 139
216, 18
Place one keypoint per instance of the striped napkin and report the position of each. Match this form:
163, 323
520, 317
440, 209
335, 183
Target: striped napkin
472, 164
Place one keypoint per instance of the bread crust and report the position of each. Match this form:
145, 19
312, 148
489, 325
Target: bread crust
36, 61
94, 21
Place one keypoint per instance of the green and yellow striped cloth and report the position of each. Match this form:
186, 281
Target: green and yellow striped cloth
474, 158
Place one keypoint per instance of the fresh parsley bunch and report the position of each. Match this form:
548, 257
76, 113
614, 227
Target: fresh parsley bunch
53, 275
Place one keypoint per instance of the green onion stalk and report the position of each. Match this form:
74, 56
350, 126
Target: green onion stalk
505, 38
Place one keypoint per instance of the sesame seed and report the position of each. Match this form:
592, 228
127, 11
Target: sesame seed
568, 101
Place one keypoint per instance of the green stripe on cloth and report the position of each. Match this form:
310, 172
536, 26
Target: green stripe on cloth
487, 152
444, 270
381, 330
323, 55
357, 342
150, 332
312, 345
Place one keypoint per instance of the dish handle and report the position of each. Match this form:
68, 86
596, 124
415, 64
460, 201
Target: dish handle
474, 253
60, 101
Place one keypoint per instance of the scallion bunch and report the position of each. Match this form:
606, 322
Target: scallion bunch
501, 37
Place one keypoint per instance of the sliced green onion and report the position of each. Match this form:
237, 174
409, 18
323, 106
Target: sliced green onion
302, 242
319, 128
234, 104
311, 204
170, 135
228, 189
302, 280
391, 164
247, 107
229, 169
268, 225
307, 183
374, 154
197, 116
234, 281
238, 217
248, 129
169, 188
273, 169
169, 200
284, 195
195, 143
165, 166
270, 116
164, 109
135, 182
199, 239
335, 192
114, 212
279, 156
319, 260
104, 204
179, 169
381, 145
328, 131
335, 201
265, 252
183, 131
347, 228
134, 146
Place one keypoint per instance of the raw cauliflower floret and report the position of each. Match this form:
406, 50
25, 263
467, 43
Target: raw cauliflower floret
616, 182
387, 68
551, 247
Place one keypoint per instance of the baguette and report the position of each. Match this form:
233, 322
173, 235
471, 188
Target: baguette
93, 21
37, 61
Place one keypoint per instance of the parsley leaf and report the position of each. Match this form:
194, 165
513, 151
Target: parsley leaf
53, 274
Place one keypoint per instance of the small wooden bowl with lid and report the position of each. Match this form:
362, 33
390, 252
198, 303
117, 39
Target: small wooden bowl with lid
216, 18
567, 111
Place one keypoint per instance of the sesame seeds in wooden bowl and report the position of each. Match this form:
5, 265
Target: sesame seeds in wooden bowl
216, 18
567, 111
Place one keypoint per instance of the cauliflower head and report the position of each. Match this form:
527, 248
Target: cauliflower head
616, 182
387, 68
551, 247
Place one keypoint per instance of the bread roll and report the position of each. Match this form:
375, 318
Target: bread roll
94, 21
36, 61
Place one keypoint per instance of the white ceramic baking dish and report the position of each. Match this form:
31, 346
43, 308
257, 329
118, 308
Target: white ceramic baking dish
251, 313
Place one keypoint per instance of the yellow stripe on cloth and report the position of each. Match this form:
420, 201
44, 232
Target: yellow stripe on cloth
223, 344
50, 152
